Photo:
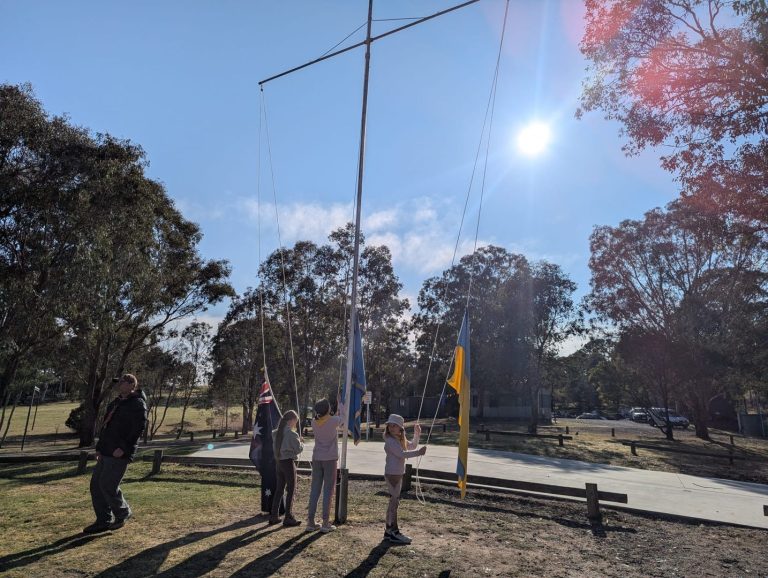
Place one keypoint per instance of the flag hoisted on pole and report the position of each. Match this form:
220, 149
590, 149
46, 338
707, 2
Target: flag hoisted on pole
357, 391
261, 453
460, 382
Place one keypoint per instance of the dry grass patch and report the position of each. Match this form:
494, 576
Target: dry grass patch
194, 522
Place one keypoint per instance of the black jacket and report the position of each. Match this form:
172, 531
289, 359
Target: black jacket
124, 423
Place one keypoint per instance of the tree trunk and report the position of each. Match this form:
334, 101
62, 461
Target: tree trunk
9, 373
10, 417
533, 424
184, 412
5, 405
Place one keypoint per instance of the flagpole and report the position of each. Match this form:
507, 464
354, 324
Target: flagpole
341, 510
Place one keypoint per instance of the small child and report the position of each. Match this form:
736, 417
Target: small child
288, 446
324, 463
398, 448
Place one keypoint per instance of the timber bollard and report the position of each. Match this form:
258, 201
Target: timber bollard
593, 504
445, 428
567, 431
633, 448
237, 434
730, 456
191, 436
613, 432
157, 461
407, 477
487, 435
765, 510
732, 441
214, 434
82, 462
560, 440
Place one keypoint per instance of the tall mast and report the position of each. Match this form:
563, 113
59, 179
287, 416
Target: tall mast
342, 498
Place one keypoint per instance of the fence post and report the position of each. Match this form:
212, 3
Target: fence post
237, 434
82, 462
407, 477
214, 434
191, 436
567, 430
487, 435
560, 439
613, 432
157, 461
445, 428
732, 440
593, 504
634, 449
765, 510
730, 456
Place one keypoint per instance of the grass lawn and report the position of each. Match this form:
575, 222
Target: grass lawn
194, 522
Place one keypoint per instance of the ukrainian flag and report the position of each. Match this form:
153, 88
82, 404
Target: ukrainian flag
460, 382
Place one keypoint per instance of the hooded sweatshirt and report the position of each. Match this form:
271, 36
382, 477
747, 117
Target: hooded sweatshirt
326, 432
124, 422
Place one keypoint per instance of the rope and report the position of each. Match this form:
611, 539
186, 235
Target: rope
489, 114
341, 41
282, 254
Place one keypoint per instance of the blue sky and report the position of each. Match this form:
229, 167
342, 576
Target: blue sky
180, 77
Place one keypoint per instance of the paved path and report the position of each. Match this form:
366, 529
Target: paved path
661, 492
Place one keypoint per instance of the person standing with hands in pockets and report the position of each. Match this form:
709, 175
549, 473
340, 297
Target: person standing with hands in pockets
398, 449
124, 422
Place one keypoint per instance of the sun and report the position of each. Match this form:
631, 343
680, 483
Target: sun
533, 139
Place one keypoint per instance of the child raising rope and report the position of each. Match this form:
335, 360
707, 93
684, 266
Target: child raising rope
398, 448
324, 462
288, 446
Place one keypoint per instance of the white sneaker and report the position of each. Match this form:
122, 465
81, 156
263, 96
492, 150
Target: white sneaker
327, 528
312, 527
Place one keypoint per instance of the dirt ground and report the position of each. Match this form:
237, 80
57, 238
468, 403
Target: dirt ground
198, 522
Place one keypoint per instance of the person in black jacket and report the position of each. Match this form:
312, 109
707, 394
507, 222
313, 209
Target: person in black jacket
124, 422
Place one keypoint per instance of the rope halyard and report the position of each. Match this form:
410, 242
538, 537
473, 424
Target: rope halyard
488, 118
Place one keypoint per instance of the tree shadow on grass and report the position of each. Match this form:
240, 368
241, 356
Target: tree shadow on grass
39, 473
148, 562
271, 562
189, 481
32, 555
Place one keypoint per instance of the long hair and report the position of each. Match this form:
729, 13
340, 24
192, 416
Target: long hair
290, 414
400, 437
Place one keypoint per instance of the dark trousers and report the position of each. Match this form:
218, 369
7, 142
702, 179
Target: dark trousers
106, 496
286, 477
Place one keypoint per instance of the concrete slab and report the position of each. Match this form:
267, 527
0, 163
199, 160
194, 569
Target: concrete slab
709, 499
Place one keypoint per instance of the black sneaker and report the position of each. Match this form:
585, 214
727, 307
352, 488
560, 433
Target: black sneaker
97, 528
291, 523
398, 538
389, 534
120, 522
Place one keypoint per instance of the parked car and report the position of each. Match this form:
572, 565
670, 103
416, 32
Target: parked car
657, 418
590, 415
638, 414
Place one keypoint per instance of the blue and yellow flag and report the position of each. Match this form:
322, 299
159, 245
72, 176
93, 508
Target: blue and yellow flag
357, 391
460, 382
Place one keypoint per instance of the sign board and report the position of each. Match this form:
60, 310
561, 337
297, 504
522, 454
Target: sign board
367, 398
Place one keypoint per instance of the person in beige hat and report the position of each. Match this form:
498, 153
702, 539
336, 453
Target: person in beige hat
398, 449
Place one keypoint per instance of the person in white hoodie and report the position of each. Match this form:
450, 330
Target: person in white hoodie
398, 449
325, 455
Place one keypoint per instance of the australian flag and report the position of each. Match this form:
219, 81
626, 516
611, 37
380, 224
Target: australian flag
262, 453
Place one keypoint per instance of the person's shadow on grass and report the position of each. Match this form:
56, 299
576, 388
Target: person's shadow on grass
148, 562
271, 562
34, 554
365, 567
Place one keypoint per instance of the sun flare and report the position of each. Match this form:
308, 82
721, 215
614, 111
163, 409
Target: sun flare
533, 139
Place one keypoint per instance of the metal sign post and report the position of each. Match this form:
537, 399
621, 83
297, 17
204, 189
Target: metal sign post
367, 400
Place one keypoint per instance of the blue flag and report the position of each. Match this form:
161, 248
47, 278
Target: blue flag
261, 453
358, 385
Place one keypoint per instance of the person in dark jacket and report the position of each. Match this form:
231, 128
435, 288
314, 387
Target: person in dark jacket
124, 422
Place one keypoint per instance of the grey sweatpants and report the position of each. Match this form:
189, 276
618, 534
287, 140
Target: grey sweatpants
106, 496
323, 477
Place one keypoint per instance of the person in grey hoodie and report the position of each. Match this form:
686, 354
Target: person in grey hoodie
325, 455
288, 446
398, 449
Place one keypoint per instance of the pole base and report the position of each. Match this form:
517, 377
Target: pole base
342, 492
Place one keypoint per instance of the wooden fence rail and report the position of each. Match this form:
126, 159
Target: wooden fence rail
558, 437
633, 446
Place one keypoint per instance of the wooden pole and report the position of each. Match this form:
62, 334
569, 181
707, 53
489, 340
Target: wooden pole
633, 448
82, 462
560, 440
157, 462
407, 477
593, 503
